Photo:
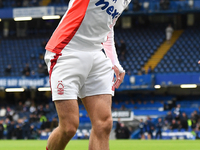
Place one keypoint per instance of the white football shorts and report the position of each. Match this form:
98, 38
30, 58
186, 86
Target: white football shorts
80, 74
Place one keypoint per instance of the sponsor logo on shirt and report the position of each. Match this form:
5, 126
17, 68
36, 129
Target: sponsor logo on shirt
110, 9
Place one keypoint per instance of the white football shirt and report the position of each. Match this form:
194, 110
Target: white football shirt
87, 26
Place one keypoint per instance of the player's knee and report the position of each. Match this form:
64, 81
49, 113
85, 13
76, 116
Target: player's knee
109, 124
70, 131
105, 126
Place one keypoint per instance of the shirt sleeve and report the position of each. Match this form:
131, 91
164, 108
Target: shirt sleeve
109, 47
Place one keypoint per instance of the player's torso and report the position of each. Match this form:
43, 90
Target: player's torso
102, 14
99, 18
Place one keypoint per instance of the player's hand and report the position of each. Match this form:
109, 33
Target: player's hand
199, 62
119, 77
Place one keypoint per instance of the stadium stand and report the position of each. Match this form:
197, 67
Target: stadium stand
32, 3
41, 119
183, 55
141, 43
135, 5
18, 52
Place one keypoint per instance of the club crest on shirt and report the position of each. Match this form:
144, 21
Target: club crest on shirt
60, 88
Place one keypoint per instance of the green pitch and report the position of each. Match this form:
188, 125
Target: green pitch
114, 145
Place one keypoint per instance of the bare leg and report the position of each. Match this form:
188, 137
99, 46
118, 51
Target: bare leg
68, 115
142, 137
99, 111
149, 136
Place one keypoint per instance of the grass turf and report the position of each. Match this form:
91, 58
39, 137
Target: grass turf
114, 145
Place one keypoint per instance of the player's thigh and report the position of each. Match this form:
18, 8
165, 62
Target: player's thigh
98, 108
68, 72
68, 113
100, 79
